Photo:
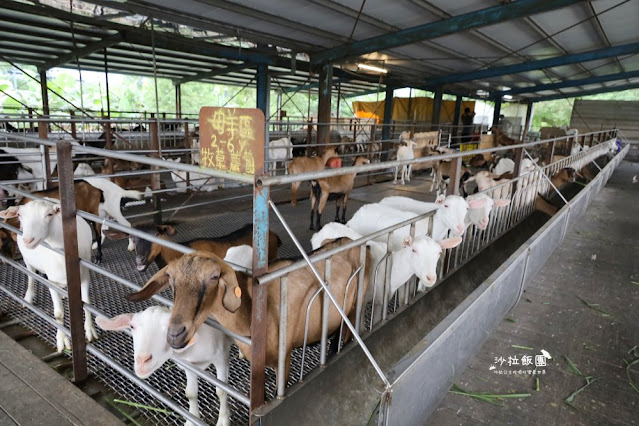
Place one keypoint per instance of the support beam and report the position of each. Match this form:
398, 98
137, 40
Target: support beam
529, 116
586, 92
571, 83
497, 110
457, 116
556, 61
178, 100
458, 105
82, 52
310, 86
388, 121
363, 93
263, 89
456, 24
44, 93
212, 73
437, 108
324, 107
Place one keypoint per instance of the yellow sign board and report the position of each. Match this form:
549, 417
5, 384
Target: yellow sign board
232, 139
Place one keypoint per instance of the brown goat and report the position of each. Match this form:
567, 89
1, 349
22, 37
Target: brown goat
322, 188
126, 182
87, 198
501, 138
204, 284
559, 179
304, 165
147, 251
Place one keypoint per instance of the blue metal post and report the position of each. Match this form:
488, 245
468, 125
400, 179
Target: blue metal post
437, 108
497, 111
388, 120
324, 107
262, 88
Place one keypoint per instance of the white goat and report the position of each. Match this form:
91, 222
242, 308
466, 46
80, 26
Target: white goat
361, 141
505, 165
32, 159
405, 152
280, 150
450, 215
113, 194
416, 256
486, 180
151, 351
199, 181
41, 221
477, 214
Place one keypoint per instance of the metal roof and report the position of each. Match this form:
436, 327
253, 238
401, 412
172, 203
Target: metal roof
529, 46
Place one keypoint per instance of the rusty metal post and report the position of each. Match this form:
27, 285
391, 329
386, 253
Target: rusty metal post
31, 126
188, 144
259, 306
178, 100
455, 176
74, 128
43, 133
72, 260
156, 152
309, 135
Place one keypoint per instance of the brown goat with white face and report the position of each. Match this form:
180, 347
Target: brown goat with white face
204, 284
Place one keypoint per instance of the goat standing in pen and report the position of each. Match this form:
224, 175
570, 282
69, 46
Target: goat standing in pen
405, 152
322, 188
41, 221
304, 165
204, 284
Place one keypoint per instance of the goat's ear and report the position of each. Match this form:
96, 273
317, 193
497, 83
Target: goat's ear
57, 208
10, 212
232, 298
117, 323
440, 199
501, 203
166, 230
535, 160
471, 179
156, 284
477, 203
449, 243
407, 241
113, 234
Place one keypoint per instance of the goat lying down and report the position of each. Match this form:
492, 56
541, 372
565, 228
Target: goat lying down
204, 284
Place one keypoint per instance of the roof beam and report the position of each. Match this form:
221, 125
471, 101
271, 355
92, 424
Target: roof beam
570, 83
312, 85
212, 73
82, 52
478, 18
586, 93
556, 61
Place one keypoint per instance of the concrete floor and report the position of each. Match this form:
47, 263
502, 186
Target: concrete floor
597, 263
34, 394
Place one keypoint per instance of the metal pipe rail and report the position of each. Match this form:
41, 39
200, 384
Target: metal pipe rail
147, 160
279, 180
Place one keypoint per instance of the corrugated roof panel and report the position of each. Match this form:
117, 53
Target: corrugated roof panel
620, 23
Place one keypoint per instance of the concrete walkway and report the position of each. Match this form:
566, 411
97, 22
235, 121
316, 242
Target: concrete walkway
31, 393
583, 307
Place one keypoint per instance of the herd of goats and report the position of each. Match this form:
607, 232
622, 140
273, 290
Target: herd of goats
208, 282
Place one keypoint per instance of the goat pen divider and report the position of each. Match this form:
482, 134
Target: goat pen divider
72, 260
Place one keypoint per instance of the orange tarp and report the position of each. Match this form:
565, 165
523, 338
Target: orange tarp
421, 109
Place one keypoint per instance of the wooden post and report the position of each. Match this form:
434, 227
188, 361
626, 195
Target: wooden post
74, 128
455, 176
155, 178
72, 261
